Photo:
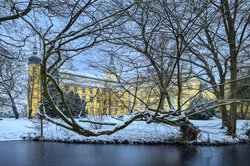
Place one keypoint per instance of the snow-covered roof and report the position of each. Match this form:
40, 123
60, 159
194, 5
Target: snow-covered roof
79, 78
80, 74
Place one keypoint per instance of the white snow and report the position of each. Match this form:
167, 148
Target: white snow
211, 131
137, 132
12, 129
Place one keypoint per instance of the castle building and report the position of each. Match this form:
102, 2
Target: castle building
104, 95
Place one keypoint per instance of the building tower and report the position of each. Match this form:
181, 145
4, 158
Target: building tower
111, 71
34, 83
112, 104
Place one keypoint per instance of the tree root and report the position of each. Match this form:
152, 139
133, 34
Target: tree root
189, 131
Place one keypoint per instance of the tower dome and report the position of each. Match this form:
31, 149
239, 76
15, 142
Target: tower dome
34, 60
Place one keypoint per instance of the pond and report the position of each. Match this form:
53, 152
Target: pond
28, 153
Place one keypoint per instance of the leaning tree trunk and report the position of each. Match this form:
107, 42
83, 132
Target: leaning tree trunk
13, 106
189, 131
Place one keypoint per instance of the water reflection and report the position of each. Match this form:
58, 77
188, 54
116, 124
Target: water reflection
48, 153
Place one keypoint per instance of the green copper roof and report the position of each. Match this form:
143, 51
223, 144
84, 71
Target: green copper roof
111, 67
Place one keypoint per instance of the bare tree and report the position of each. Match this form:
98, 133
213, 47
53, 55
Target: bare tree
207, 55
13, 37
71, 37
13, 34
218, 47
236, 26
160, 37
156, 38
11, 10
11, 79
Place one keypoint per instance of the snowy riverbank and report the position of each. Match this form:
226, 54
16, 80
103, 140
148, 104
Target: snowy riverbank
138, 132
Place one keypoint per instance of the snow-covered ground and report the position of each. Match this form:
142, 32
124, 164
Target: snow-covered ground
137, 132
12, 129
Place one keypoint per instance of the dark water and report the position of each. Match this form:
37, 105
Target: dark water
25, 153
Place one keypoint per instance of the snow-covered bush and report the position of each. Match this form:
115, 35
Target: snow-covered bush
202, 102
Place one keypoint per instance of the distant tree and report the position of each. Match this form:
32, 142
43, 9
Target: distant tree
199, 103
12, 37
75, 103
11, 79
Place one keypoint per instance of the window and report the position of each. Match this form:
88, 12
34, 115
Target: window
98, 98
190, 86
172, 100
129, 104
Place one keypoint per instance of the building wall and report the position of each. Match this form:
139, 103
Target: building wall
104, 100
104, 96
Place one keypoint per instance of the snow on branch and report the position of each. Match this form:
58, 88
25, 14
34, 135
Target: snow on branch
100, 123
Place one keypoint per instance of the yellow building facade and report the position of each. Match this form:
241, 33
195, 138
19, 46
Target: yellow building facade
34, 85
104, 95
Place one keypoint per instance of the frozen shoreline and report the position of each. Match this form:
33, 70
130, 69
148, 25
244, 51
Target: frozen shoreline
137, 133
